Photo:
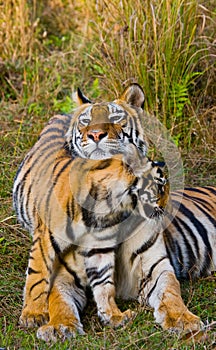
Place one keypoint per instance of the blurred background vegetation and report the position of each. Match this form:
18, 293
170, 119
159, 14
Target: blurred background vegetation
48, 48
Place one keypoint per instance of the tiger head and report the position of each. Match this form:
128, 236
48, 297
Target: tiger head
101, 130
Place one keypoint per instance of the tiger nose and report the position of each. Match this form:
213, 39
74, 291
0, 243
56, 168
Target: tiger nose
96, 135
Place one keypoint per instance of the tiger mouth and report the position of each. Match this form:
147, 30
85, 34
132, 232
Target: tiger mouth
98, 153
105, 152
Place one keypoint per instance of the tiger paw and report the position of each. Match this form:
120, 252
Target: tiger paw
186, 321
30, 319
51, 332
118, 319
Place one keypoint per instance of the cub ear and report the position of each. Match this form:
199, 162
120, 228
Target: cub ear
134, 95
79, 98
136, 162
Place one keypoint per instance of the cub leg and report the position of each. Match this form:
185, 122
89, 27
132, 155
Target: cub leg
42, 255
161, 290
67, 298
145, 272
100, 272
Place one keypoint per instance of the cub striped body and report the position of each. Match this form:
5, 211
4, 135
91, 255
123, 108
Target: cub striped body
141, 251
147, 265
191, 234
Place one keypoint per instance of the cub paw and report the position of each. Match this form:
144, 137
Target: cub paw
30, 320
51, 332
118, 319
186, 322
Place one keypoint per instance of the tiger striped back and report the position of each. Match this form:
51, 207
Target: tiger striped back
190, 237
47, 152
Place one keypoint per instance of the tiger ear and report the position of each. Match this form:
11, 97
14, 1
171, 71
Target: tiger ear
79, 98
134, 95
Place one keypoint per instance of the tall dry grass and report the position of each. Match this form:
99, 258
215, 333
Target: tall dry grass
41, 43
50, 47
164, 45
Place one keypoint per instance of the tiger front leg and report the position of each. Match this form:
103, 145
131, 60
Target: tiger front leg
100, 264
164, 295
66, 300
35, 305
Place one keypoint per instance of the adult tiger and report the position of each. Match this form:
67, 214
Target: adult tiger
146, 263
79, 233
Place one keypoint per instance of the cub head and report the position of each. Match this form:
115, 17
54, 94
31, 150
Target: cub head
101, 130
151, 187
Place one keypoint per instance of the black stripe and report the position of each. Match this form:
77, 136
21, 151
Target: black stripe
202, 232
77, 280
190, 261
54, 244
40, 199
79, 305
70, 209
31, 271
155, 265
53, 129
193, 199
22, 212
28, 214
109, 282
144, 247
197, 224
153, 288
18, 171
93, 272
206, 213
44, 257
173, 251
61, 117
55, 180
148, 277
210, 189
45, 138
37, 283
32, 154
22, 183
51, 189
58, 160
191, 234
155, 285
197, 189
95, 251
96, 283
69, 230
103, 164
59, 122
40, 295
35, 241
38, 148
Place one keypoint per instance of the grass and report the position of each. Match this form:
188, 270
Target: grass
49, 48
142, 333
